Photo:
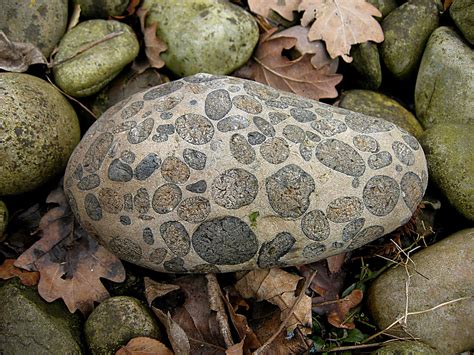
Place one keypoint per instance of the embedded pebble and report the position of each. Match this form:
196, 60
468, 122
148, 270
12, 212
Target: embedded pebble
248, 177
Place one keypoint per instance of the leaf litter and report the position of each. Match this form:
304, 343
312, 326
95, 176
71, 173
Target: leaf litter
69, 260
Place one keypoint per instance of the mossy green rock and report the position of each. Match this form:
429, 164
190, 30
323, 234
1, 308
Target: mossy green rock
117, 320
406, 31
375, 104
95, 9
406, 347
366, 65
444, 91
462, 13
38, 132
449, 150
82, 73
209, 36
41, 22
3, 218
384, 6
443, 274
30, 325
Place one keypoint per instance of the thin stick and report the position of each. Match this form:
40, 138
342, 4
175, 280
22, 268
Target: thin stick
290, 314
88, 46
415, 313
361, 346
72, 98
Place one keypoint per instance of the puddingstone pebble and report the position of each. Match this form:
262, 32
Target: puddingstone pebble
232, 187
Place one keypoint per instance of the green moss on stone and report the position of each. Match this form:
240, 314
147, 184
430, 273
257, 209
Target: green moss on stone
449, 150
89, 71
378, 105
39, 131
209, 36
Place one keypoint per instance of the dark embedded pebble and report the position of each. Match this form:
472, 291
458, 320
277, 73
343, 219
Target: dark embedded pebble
256, 138
271, 252
198, 187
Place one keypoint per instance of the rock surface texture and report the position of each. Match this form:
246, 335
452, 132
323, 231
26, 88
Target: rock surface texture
38, 131
214, 173
208, 36
443, 274
450, 154
30, 325
444, 91
41, 22
82, 72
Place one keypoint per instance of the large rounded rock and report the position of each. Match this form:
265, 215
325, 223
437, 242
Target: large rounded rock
209, 36
444, 91
41, 22
30, 325
213, 173
406, 30
443, 274
372, 103
117, 320
94, 9
406, 347
462, 12
38, 131
450, 154
111, 45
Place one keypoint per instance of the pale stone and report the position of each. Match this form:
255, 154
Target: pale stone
215, 181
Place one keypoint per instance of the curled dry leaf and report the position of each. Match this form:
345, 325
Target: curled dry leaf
341, 23
17, 57
236, 349
69, 260
153, 45
279, 288
8, 271
269, 66
338, 316
144, 346
284, 8
320, 56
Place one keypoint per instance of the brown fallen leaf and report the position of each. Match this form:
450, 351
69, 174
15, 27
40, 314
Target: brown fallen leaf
153, 45
338, 316
284, 8
269, 66
279, 288
17, 57
69, 260
447, 4
8, 270
193, 317
236, 349
144, 346
320, 56
341, 23
240, 323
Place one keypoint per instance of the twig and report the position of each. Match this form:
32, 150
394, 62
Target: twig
290, 314
84, 107
355, 347
88, 46
415, 313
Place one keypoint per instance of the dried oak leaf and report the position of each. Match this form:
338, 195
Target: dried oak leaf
69, 260
341, 23
338, 316
144, 346
269, 66
303, 46
17, 57
284, 8
153, 45
279, 288
8, 270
